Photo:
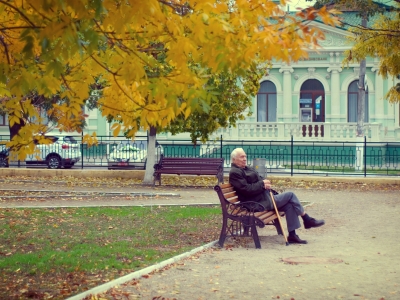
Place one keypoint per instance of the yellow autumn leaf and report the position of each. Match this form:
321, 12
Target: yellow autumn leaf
155, 58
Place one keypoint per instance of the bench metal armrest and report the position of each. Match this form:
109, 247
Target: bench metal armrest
252, 206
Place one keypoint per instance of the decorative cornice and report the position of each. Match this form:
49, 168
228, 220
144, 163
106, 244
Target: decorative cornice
311, 72
286, 69
334, 69
374, 68
333, 40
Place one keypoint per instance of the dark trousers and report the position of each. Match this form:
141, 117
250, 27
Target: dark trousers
290, 204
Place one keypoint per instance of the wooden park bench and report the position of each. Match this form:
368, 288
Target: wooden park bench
189, 166
239, 220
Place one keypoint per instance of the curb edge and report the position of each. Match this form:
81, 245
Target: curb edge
140, 273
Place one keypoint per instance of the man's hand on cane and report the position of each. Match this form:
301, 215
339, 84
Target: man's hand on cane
267, 184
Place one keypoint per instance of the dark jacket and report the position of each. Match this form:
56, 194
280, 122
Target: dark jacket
249, 186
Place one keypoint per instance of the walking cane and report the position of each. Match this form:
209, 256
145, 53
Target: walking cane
279, 217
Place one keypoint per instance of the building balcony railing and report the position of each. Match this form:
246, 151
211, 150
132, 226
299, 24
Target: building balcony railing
307, 131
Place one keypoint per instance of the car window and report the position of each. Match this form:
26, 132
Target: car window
53, 139
3, 149
129, 148
70, 140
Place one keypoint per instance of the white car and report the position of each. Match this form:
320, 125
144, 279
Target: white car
131, 155
63, 151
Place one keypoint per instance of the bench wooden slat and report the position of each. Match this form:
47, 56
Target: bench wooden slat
189, 166
189, 163
189, 172
264, 214
234, 200
224, 186
228, 190
230, 194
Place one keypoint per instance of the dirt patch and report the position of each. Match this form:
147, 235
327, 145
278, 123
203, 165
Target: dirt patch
310, 260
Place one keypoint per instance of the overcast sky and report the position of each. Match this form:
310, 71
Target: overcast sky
299, 3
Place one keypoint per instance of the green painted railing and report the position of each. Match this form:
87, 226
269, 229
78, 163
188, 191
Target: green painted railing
292, 157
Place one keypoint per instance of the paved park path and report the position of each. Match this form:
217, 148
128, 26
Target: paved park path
355, 255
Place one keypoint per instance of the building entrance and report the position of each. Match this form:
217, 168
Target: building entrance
312, 107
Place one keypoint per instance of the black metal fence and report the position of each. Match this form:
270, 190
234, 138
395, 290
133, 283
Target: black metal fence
278, 157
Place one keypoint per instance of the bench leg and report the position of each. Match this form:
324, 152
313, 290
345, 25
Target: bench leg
256, 238
246, 230
220, 177
157, 177
221, 240
277, 226
222, 235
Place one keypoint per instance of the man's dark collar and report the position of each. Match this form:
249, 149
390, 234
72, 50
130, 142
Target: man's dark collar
236, 166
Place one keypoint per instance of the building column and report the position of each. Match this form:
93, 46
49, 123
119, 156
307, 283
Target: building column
378, 113
287, 93
335, 69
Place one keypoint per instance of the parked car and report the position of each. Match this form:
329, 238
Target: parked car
3, 157
134, 155
62, 151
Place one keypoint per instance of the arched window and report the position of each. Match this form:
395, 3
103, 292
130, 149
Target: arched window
312, 101
312, 85
352, 103
266, 102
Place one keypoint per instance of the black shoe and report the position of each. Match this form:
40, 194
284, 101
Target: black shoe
294, 239
313, 223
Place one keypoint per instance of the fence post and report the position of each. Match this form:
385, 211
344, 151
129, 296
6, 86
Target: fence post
82, 150
365, 156
291, 155
220, 148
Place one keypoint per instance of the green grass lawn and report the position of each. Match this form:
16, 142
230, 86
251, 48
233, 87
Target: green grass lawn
60, 252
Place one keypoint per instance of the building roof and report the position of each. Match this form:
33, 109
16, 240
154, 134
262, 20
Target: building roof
352, 18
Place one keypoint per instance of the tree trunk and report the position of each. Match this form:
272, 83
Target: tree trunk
15, 128
151, 155
13, 155
361, 93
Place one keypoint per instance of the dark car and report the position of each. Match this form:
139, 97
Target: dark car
3, 157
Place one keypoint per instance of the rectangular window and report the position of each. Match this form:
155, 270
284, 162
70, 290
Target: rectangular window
266, 107
43, 116
271, 107
352, 108
3, 120
262, 107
